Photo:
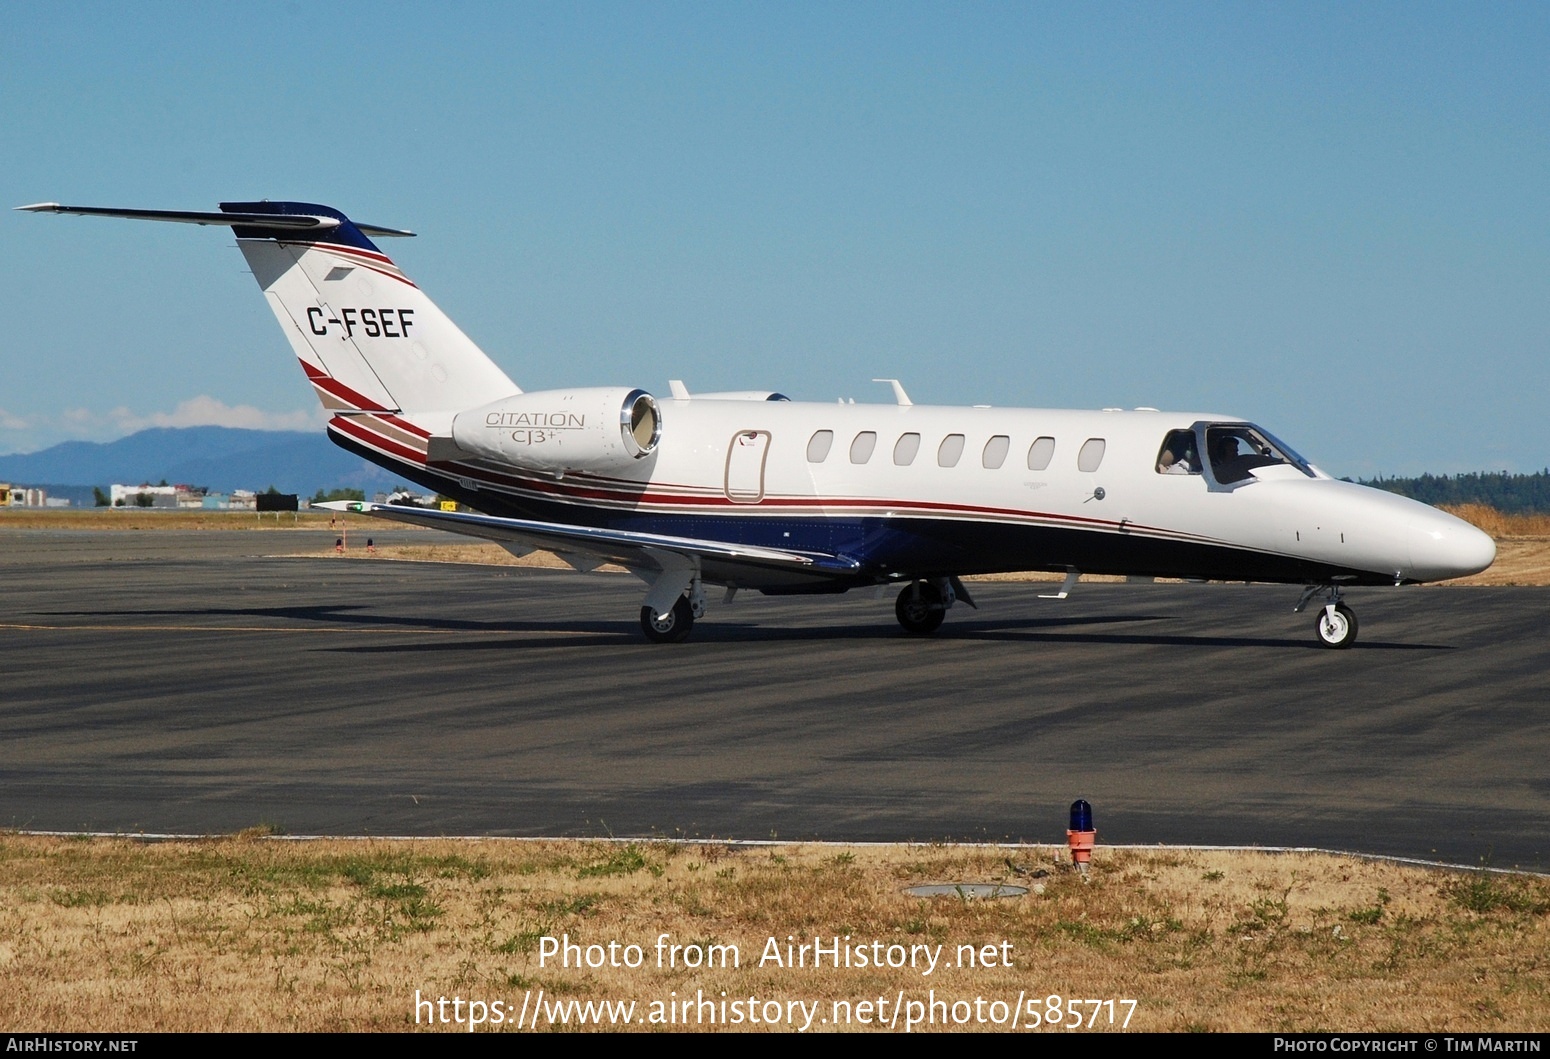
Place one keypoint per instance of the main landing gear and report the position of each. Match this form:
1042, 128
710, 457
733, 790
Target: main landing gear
923, 605
920, 608
676, 623
1335, 622
672, 627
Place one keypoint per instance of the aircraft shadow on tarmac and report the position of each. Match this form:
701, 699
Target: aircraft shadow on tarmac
343, 614
1006, 631
589, 632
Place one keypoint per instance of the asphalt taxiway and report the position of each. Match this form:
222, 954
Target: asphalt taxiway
194, 682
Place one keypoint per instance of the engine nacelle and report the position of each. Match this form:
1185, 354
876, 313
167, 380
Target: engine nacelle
560, 431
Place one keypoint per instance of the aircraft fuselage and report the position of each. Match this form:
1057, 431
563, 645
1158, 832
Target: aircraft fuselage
919, 491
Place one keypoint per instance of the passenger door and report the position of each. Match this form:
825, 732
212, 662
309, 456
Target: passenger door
746, 455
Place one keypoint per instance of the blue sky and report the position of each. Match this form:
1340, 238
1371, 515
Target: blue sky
1332, 219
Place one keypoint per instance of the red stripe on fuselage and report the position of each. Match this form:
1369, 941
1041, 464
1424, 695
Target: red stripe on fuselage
348, 425
631, 499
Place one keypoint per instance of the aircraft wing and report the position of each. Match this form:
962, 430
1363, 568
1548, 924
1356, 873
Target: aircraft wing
657, 558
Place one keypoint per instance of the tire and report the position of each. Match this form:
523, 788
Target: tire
1337, 631
672, 627
923, 613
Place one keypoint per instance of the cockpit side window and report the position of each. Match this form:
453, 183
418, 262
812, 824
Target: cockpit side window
1178, 455
1236, 451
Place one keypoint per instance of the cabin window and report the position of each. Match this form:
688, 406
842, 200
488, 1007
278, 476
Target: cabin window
1091, 455
1178, 455
1040, 453
905, 448
950, 451
818, 446
861, 448
995, 452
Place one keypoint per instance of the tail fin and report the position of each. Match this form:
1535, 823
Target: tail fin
367, 337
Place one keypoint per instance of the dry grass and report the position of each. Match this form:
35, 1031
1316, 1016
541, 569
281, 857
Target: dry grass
1500, 525
481, 554
238, 934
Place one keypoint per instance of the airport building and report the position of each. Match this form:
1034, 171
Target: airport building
22, 496
180, 497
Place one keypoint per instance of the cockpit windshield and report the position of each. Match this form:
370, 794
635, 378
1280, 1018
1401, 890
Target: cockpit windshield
1236, 450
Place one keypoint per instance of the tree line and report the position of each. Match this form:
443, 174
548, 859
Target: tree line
1511, 494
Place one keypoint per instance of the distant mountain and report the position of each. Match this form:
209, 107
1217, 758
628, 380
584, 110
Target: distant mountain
222, 458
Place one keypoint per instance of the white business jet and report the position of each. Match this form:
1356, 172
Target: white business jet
749, 490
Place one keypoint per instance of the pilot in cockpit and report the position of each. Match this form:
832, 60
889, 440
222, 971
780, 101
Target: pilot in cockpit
1224, 455
1236, 452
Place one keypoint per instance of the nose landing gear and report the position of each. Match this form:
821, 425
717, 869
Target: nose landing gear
1335, 624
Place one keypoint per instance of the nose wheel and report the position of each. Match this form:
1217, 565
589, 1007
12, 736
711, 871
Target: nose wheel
1335, 623
1336, 626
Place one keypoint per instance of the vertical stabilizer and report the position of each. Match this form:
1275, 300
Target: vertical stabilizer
367, 337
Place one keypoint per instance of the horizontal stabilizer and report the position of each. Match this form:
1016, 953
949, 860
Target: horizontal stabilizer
278, 222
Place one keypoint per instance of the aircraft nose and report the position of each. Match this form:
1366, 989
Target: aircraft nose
1442, 546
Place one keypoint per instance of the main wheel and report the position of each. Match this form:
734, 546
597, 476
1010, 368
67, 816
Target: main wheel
920, 608
672, 627
1337, 630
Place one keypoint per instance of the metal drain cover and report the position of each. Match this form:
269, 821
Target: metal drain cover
967, 891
